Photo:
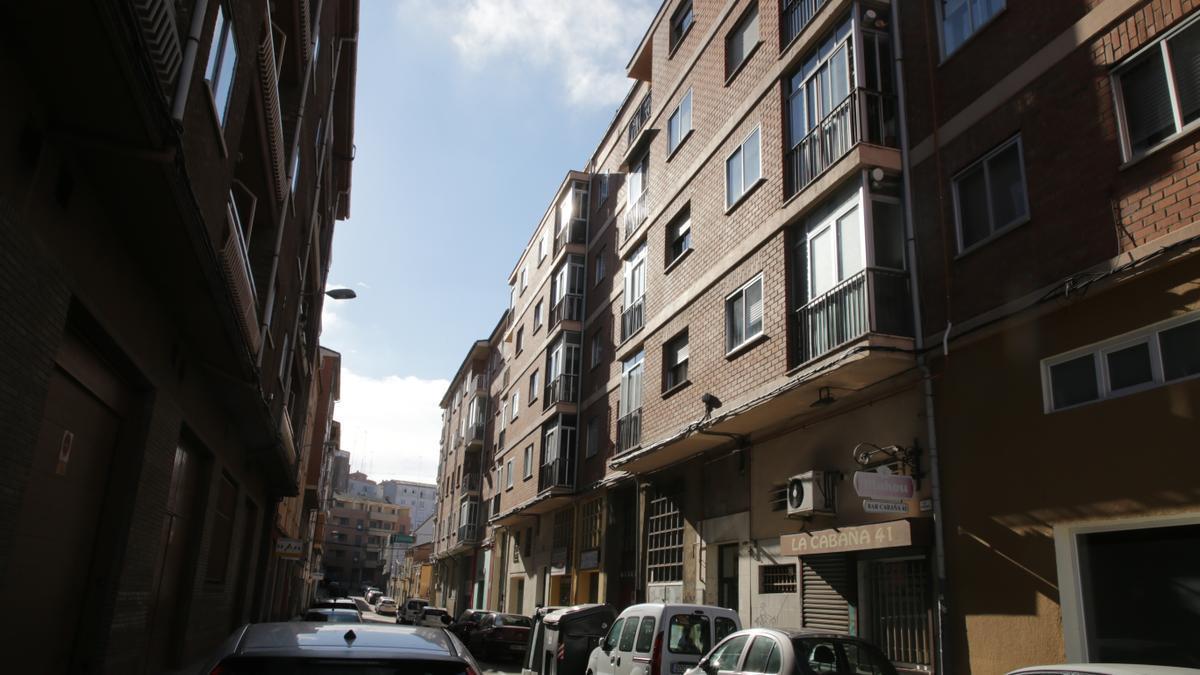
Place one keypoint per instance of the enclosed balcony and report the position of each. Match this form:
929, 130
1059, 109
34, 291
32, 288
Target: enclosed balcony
471, 481
796, 15
636, 211
562, 389
235, 265
629, 430
563, 361
863, 116
567, 308
557, 471
875, 300
633, 318
566, 292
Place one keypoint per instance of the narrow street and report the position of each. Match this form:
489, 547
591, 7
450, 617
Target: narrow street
505, 668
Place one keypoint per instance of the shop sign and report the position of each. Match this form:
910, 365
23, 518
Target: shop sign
855, 538
876, 506
288, 548
871, 485
589, 559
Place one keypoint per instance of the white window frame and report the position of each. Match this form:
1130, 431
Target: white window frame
516, 402
668, 353
730, 200
524, 277
975, 29
529, 461
679, 228
533, 385
633, 368
537, 315
680, 122
830, 223
635, 276
1099, 351
957, 178
509, 470
1066, 552
1158, 44
747, 339
542, 247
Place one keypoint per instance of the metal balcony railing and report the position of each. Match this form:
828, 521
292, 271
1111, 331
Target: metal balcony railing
633, 318
471, 482
797, 14
574, 232
559, 473
635, 213
562, 389
873, 301
475, 433
479, 382
568, 308
468, 534
235, 264
863, 115
629, 430
641, 117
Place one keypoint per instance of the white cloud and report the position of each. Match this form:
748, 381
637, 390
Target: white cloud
585, 43
391, 425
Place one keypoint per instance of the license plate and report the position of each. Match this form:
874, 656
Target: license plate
681, 667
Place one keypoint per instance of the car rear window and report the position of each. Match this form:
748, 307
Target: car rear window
513, 620
325, 666
645, 637
688, 634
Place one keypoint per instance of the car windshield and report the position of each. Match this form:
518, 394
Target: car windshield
333, 666
688, 634
513, 620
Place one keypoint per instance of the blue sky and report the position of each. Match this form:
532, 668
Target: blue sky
468, 114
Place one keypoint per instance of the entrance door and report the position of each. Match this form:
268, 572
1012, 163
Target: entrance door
51, 560
899, 611
727, 576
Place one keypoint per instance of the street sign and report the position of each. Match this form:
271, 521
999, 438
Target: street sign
876, 506
288, 548
871, 485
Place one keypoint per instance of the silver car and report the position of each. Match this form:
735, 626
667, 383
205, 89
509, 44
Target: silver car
1104, 669
311, 648
808, 652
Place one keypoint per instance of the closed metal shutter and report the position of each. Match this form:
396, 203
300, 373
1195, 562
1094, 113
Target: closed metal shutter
825, 592
901, 611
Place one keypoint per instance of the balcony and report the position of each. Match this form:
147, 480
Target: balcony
574, 232
863, 116
875, 300
235, 265
471, 482
269, 80
476, 432
641, 117
796, 15
629, 430
633, 318
635, 214
562, 389
479, 383
468, 534
568, 308
558, 474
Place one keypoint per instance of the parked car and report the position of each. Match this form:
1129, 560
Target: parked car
410, 611
501, 636
467, 623
339, 603
373, 596
333, 615
562, 638
386, 605
807, 652
1104, 669
301, 647
670, 638
435, 617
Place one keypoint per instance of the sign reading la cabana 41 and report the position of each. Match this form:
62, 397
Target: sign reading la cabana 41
853, 538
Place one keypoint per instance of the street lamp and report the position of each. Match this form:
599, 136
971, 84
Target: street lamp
341, 293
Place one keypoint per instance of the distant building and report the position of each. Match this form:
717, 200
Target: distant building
361, 486
357, 534
341, 466
420, 497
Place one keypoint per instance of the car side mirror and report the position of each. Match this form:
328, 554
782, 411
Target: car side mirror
706, 666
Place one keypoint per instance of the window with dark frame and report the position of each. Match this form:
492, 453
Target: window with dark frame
681, 21
533, 386
593, 438
744, 314
777, 578
743, 168
1158, 91
222, 61
537, 315
990, 195
741, 41
675, 361
520, 339
679, 235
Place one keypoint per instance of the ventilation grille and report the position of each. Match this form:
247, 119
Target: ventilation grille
274, 120
156, 20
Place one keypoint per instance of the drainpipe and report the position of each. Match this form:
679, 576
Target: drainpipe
189, 61
926, 378
269, 310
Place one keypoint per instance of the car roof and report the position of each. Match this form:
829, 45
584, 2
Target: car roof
333, 610
558, 614
790, 633
296, 638
661, 606
1107, 669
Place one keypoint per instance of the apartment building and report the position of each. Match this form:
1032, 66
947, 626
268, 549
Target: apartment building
421, 498
169, 184
358, 534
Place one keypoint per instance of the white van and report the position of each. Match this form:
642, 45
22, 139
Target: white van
411, 611
661, 638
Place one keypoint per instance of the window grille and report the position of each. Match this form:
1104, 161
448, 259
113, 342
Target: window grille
664, 546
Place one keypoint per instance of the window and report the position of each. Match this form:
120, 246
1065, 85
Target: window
542, 247
508, 468
744, 314
962, 18
529, 461
679, 235
675, 360
777, 579
222, 59
516, 544
628, 634
741, 41
664, 540
1158, 91
516, 403
1144, 359
645, 634
537, 315
600, 271
681, 21
764, 656
602, 179
614, 634
593, 438
679, 125
533, 386
222, 530
631, 384
597, 349
742, 169
520, 339
727, 655
989, 195
688, 634
835, 250
524, 277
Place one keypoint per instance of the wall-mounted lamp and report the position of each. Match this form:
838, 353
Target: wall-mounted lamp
342, 293
824, 398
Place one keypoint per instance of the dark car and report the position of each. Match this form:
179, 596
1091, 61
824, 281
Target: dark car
468, 622
342, 603
501, 636
805, 652
333, 615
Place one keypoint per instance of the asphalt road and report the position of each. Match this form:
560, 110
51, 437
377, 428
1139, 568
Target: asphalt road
489, 668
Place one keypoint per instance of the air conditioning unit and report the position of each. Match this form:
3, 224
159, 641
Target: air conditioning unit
812, 493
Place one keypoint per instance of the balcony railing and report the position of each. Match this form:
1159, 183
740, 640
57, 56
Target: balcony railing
479, 382
471, 481
863, 115
635, 214
796, 15
562, 389
559, 473
468, 534
633, 318
640, 118
629, 430
568, 308
873, 301
475, 433
574, 232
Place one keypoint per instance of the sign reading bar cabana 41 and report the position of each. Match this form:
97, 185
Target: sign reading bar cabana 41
855, 538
